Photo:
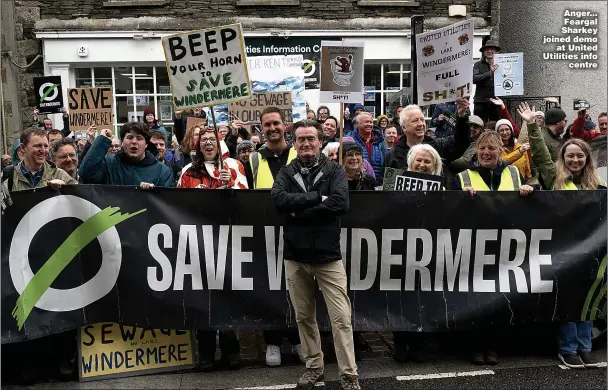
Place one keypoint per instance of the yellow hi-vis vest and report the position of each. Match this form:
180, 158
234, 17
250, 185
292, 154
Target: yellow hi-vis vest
570, 186
262, 176
510, 180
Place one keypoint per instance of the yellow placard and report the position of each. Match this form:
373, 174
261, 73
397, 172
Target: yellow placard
109, 349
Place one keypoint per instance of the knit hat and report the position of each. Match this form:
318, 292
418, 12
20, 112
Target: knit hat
554, 116
244, 144
349, 147
503, 122
475, 120
589, 125
149, 110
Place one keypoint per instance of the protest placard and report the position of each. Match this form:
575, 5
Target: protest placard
403, 180
49, 99
341, 72
207, 67
111, 350
248, 111
509, 77
90, 107
280, 74
445, 63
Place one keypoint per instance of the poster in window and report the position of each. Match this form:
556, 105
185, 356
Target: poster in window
166, 112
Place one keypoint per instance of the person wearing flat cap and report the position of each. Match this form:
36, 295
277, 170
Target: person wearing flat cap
483, 78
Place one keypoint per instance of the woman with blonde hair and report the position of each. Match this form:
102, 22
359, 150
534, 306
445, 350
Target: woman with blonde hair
573, 170
424, 158
489, 172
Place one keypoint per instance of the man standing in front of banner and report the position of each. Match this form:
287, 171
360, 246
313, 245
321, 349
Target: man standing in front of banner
264, 165
313, 193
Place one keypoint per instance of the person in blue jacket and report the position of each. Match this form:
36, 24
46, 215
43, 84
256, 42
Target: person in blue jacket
135, 164
371, 140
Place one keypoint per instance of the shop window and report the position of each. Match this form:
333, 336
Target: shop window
391, 86
84, 78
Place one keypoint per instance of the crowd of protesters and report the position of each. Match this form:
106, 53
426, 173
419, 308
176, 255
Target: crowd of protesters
487, 151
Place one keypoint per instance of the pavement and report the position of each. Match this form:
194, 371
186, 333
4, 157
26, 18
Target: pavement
441, 371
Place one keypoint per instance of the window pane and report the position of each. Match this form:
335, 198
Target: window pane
144, 80
392, 73
142, 102
371, 75
407, 80
125, 112
83, 78
165, 112
162, 80
103, 77
123, 81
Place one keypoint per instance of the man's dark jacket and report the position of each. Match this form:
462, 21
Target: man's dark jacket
449, 148
313, 235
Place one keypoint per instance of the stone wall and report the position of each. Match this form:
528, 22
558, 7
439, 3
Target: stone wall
210, 9
18, 38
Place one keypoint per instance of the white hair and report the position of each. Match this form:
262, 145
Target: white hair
330, 147
410, 107
411, 155
356, 119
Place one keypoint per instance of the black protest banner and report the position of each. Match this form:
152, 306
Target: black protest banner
108, 350
429, 261
49, 96
309, 47
403, 180
90, 107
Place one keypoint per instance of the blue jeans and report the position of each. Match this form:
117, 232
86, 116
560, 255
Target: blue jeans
575, 337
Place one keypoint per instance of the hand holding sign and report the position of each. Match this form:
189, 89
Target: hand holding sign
462, 104
494, 67
107, 133
91, 131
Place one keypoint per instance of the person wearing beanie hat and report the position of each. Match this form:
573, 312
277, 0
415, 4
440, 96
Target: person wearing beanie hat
244, 150
352, 161
483, 78
152, 123
514, 153
540, 118
367, 167
135, 164
553, 130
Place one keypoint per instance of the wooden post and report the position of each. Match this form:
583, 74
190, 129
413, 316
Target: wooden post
341, 132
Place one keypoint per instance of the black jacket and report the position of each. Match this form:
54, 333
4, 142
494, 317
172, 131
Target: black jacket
449, 148
483, 78
313, 234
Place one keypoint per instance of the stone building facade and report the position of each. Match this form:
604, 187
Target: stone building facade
124, 36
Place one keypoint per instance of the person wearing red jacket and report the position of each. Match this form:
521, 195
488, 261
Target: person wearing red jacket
578, 128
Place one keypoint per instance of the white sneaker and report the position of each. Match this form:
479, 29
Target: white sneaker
297, 350
273, 355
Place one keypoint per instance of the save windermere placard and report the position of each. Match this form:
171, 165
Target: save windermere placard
90, 107
207, 67
111, 350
